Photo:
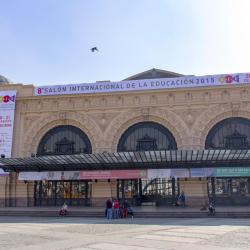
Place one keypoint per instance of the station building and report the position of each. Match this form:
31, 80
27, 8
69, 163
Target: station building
144, 145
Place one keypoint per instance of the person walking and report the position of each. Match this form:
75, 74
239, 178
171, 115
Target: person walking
109, 209
125, 208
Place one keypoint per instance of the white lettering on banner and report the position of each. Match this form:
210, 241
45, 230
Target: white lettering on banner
52, 175
115, 174
7, 113
159, 173
146, 84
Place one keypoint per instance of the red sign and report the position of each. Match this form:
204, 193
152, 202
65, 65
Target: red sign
113, 174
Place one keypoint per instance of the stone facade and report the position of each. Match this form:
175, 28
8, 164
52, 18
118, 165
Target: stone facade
188, 114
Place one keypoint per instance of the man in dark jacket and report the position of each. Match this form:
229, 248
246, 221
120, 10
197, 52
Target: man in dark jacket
109, 209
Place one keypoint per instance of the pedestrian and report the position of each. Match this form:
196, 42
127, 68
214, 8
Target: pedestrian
109, 209
182, 199
131, 212
64, 210
211, 208
125, 208
116, 209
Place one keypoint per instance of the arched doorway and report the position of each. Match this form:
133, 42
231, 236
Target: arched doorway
64, 139
146, 136
231, 133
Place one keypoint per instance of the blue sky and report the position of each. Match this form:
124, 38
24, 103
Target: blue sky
47, 42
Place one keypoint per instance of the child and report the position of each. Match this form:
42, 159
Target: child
64, 210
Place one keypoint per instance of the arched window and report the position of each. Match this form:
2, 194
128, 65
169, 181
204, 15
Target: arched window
231, 133
64, 139
145, 136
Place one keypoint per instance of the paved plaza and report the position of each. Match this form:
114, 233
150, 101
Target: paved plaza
123, 234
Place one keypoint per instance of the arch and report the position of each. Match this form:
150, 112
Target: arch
210, 117
230, 133
144, 136
42, 125
166, 118
64, 139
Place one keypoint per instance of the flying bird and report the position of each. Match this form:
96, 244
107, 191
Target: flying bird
94, 49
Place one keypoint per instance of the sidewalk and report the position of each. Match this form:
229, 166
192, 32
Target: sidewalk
136, 209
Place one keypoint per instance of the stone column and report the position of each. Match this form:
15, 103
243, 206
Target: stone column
195, 190
101, 191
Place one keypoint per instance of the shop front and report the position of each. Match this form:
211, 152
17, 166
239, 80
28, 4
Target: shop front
125, 175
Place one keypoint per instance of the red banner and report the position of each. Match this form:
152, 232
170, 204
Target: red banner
113, 174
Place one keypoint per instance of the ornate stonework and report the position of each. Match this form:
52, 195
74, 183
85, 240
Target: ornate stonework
188, 114
41, 126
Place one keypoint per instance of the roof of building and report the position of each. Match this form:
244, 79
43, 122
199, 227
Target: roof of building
4, 80
130, 160
153, 73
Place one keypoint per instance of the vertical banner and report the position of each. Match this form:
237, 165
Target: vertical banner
7, 113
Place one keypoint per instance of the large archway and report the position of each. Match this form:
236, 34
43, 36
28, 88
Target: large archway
231, 133
146, 136
63, 139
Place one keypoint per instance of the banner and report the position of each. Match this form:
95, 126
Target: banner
232, 172
52, 175
146, 84
83, 175
7, 113
180, 173
135, 174
159, 173
202, 172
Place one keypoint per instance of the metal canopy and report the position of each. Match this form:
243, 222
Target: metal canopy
130, 160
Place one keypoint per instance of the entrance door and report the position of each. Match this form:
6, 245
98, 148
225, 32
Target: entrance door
159, 191
230, 191
55, 193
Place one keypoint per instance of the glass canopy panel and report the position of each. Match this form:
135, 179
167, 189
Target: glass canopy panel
189, 155
178, 155
195, 155
148, 157
152, 155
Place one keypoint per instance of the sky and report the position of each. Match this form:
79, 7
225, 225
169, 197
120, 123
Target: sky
47, 42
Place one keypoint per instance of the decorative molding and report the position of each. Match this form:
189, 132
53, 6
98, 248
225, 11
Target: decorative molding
210, 117
34, 134
128, 118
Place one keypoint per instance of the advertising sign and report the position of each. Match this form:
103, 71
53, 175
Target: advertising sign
83, 175
232, 172
135, 174
202, 172
7, 112
159, 173
180, 173
146, 84
52, 175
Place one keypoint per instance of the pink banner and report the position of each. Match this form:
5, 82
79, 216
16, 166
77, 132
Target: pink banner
113, 174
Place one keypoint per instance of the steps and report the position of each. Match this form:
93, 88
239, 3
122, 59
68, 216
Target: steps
137, 214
